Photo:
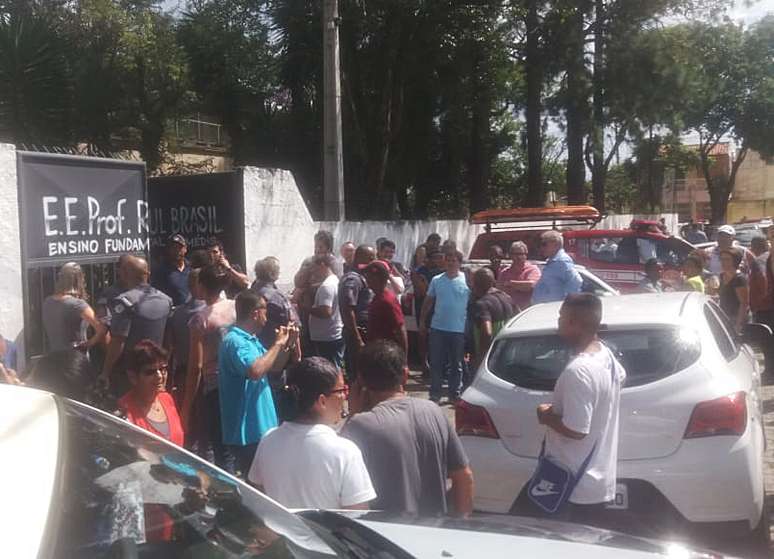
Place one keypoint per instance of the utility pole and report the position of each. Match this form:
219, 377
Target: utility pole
333, 160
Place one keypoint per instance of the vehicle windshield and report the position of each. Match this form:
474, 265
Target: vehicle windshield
126, 494
648, 355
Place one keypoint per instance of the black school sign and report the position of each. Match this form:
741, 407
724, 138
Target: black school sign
82, 209
200, 208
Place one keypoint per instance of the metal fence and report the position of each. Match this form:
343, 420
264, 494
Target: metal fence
40, 284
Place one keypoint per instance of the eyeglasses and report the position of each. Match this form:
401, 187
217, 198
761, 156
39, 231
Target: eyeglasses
150, 372
344, 391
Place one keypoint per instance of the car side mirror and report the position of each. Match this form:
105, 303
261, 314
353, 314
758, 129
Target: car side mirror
755, 333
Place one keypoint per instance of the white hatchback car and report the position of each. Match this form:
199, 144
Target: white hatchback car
691, 437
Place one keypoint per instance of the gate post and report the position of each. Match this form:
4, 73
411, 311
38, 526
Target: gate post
11, 268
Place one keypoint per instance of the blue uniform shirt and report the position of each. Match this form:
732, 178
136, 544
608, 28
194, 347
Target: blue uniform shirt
451, 302
559, 279
246, 406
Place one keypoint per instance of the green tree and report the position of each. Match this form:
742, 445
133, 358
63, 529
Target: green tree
35, 78
729, 77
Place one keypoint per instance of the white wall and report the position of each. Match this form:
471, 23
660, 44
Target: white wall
11, 288
278, 223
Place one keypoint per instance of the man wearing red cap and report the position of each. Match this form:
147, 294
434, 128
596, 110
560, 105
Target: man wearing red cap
385, 317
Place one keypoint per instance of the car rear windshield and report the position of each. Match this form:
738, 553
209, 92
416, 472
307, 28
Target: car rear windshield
648, 355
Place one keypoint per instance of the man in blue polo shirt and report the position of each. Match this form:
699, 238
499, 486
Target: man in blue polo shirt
171, 277
559, 277
246, 404
447, 305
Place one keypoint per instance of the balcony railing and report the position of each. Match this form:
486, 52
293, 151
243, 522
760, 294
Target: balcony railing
197, 132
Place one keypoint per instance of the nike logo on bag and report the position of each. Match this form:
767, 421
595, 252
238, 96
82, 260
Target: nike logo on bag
543, 489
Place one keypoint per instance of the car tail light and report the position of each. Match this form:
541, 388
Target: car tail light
722, 416
474, 421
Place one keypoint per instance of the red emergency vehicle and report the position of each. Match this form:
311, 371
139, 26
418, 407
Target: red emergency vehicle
614, 255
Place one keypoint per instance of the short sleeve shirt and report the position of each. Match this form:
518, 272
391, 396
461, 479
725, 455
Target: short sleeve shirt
212, 323
451, 303
279, 312
310, 466
140, 313
326, 329
528, 272
246, 406
409, 448
587, 396
354, 293
63, 323
385, 317
695, 283
172, 281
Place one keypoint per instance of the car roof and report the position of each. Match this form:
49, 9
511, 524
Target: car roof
29, 447
617, 312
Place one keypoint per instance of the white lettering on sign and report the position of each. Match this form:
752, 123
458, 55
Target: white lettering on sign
69, 216
48, 217
186, 220
77, 221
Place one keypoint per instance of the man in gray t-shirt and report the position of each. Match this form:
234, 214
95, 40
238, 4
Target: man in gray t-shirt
408, 445
139, 313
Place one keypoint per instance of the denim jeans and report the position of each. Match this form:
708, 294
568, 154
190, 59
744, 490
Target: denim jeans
447, 352
332, 351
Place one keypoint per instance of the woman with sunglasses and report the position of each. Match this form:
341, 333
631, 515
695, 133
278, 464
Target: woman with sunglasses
304, 463
148, 404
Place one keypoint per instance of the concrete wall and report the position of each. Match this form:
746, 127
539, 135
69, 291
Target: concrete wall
11, 287
278, 223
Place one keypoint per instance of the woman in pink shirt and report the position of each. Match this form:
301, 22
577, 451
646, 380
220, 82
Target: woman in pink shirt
520, 277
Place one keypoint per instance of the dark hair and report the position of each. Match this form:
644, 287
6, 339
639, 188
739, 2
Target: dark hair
199, 258
246, 302
386, 243
380, 365
325, 237
587, 306
213, 278
456, 253
484, 277
651, 263
696, 260
758, 240
326, 260
66, 373
214, 243
497, 248
433, 237
306, 380
432, 253
735, 254
145, 352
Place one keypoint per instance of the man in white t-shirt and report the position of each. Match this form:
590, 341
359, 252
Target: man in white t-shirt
325, 324
583, 418
304, 463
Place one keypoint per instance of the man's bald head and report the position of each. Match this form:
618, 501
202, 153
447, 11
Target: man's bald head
136, 271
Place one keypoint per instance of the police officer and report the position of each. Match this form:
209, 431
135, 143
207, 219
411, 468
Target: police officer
139, 313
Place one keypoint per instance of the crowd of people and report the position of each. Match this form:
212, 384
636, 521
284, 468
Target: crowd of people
302, 393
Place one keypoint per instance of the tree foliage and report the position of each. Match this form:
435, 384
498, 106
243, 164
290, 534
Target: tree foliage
448, 107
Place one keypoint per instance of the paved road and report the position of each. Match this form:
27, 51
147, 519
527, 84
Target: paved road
417, 388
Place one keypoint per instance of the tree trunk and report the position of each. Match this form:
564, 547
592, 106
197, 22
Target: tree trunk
480, 132
534, 71
577, 107
598, 170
